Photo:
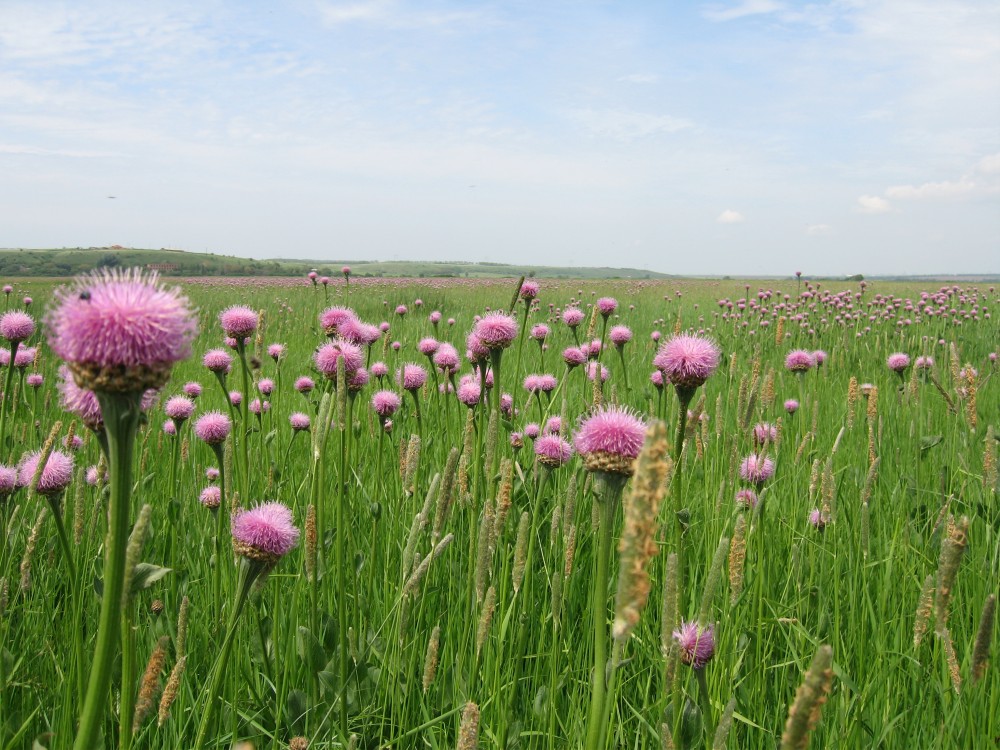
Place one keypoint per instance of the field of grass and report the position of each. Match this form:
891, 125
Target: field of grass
449, 589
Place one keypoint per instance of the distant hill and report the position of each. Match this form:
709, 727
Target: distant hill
71, 261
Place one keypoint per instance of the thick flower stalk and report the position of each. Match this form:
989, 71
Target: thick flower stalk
120, 333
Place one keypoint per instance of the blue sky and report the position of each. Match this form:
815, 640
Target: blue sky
733, 137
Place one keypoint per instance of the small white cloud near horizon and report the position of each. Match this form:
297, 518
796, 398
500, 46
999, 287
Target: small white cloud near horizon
989, 164
729, 216
931, 190
745, 8
815, 230
873, 204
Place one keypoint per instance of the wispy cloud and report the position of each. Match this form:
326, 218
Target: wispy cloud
396, 15
931, 190
741, 10
873, 204
816, 230
627, 125
729, 216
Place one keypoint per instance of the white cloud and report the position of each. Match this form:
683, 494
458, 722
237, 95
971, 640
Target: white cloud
626, 125
746, 8
729, 216
640, 78
930, 190
390, 14
989, 164
815, 230
873, 204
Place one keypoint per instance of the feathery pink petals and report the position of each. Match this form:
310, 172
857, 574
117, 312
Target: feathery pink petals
267, 529
688, 361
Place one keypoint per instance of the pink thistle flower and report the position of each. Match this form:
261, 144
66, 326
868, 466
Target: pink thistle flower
924, 363
212, 427
451, 321
817, 519
529, 290
346, 270
791, 406
211, 497
446, 358
328, 357
655, 336
92, 476
312, 276
697, 644
8, 480
573, 316
192, 389
799, 360
34, 380
259, 407
55, 477
239, 321
620, 335
469, 391
756, 469
24, 357
418, 302
540, 332
396, 346
266, 386
656, 378
169, 427
379, 369
434, 317
606, 306
358, 380
688, 361
72, 444
476, 351
532, 430
79, 401
384, 326
547, 382
531, 383
121, 330
179, 408
747, 498
401, 310
27, 301
764, 433
593, 349
276, 351
552, 451
411, 377
496, 330
217, 361
235, 398
332, 318
507, 405
265, 533
386, 403
211, 473
573, 356
516, 441
7, 289
427, 346
324, 280
299, 421
820, 356
610, 440
304, 384
898, 362
592, 370
553, 426
16, 326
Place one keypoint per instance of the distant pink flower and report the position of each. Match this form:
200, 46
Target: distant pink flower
192, 389
265, 386
324, 280
898, 362
401, 310
529, 290
434, 317
16, 326
747, 498
655, 336
610, 440
217, 360
179, 408
304, 384
265, 533
411, 377
427, 346
799, 360
687, 361
607, 305
211, 473
312, 276
532, 430
7, 289
112, 321
620, 335
756, 469
764, 433
820, 356
386, 403
333, 317
656, 378
531, 383
697, 644
211, 497
516, 440
34, 380
446, 358
169, 428
259, 407
379, 369
55, 477
553, 425
791, 406
79, 401
469, 391
239, 321
299, 421
346, 270
8, 480
496, 330
573, 356
552, 450
594, 367
476, 351
276, 351
507, 405
72, 444
235, 398
357, 380
572, 316
817, 519
924, 363
329, 356
540, 332
212, 427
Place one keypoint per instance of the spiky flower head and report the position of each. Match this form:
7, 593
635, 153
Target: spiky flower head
573, 316
791, 406
213, 427
552, 450
299, 421
329, 356
620, 335
333, 317
496, 330
55, 477
211, 497
428, 345
16, 326
192, 389
179, 408
747, 498
799, 360
386, 403
573, 356
218, 361
469, 391
898, 362
411, 376
276, 351
756, 469
265, 533
817, 519
696, 644
687, 361
764, 433
610, 440
529, 290
8, 481
120, 331
79, 401
304, 384
239, 321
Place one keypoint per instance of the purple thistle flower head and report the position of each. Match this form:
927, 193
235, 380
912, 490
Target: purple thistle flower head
594, 367
25, 356
531, 383
411, 377
434, 317
476, 351
16, 326
553, 425
192, 389
386, 403
332, 318
529, 290
607, 305
516, 440
697, 644
799, 360
265, 533
169, 427
446, 358
35, 380
496, 330
312, 276
379, 369
217, 360
358, 380
259, 407
552, 451
610, 439
687, 361
324, 280
211, 497
211, 473
265, 386
7, 289
656, 378
212, 427
791, 406
573, 356
540, 332
79, 401
8, 481
55, 477
756, 469
346, 270
120, 331
817, 519
179, 408
469, 391
620, 335
276, 351
427, 346
820, 356
547, 382
299, 421
573, 316
747, 498
239, 321
329, 356
898, 362
764, 433
532, 430
924, 363
507, 405
235, 398
304, 384
401, 310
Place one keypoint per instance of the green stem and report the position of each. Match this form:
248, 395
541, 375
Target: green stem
121, 418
